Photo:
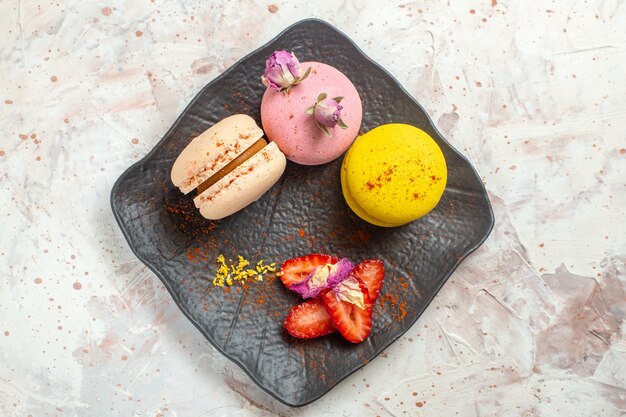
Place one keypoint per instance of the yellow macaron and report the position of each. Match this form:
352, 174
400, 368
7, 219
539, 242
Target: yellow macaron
393, 175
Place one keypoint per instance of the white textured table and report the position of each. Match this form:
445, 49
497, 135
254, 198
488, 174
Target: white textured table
533, 93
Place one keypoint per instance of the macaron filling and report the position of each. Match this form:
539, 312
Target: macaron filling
232, 165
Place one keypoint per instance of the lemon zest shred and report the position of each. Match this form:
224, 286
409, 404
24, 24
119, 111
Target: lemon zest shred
222, 273
238, 271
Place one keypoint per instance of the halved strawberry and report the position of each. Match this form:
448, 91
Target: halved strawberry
353, 322
309, 320
372, 273
297, 269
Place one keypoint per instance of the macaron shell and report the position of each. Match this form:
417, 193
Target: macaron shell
393, 175
285, 121
246, 184
213, 149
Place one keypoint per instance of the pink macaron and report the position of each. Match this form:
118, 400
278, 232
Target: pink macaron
286, 122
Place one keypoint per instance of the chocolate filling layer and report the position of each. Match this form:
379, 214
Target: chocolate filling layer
240, 159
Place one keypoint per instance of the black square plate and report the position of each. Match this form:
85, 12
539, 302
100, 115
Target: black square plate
303, 213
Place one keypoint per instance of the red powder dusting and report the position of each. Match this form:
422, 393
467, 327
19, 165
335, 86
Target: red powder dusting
402, 311
383, 178
38, 158
33, 135
622, 151
23, 136
2, 153
38, 281
106, 11
8, 101
124, 357
77, 285
206, 250
363, 236
494, 3
185, 218
134, 141
301, 233
479, 84
272, 8
419, 404
472, 11
138, 33
54, 78
392, 303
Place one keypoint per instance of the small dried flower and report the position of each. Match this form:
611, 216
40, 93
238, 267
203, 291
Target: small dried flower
327, 113
282, 71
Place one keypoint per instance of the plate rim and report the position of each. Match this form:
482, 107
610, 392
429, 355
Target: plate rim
172, 294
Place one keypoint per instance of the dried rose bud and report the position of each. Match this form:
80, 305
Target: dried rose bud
325, 276
282, 71
327, 113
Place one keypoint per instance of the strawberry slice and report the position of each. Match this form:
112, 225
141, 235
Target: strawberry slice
294, 271
309, 320
350, 309
372, 273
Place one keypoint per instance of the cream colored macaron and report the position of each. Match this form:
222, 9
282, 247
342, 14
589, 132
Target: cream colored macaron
230, 166
393, 175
